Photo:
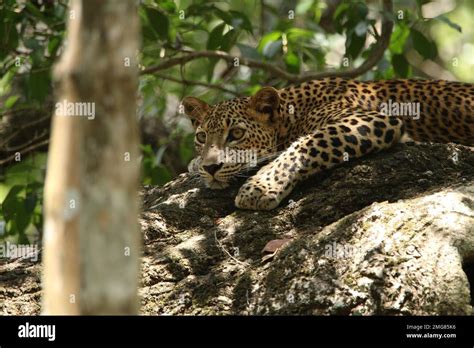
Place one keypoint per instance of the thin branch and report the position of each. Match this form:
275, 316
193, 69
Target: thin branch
23, 127
219, 244
19, 109
374, 57
25, 151
197, 83
34, 71
222, 55
32, 141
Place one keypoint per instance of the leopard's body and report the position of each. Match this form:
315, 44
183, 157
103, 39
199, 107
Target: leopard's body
319, 124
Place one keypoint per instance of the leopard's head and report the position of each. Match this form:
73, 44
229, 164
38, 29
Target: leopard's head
235, 135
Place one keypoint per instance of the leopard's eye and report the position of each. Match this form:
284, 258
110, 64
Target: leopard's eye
201, 137
235, 134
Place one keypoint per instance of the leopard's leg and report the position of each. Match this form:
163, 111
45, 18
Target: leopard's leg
350, 137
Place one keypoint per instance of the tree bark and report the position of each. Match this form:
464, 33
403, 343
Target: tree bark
91, 237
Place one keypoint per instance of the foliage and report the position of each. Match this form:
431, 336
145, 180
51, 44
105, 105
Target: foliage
21, 194
31, 35
289, 34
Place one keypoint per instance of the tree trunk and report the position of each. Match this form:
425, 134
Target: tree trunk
91, 237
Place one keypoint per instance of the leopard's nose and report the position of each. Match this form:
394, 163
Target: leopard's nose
213, 168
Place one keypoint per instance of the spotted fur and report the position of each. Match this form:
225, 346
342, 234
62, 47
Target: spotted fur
302, 130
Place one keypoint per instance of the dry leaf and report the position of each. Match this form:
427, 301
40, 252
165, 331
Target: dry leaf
268, 257
273, 245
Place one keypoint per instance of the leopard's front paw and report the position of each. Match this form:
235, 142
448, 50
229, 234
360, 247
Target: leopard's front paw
257, 196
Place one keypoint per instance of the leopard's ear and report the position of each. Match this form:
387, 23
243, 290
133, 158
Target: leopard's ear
196, 109
265, 104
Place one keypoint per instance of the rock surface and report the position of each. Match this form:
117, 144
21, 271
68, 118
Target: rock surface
390, 234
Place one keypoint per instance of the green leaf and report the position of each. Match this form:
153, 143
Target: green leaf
12, 205
215, 37
354, 45
446, 20
31, 43
6, 81
14, 191
11, 101
30, 202
292, 63
8, 36
22, 218
229, 40
357, 13
59, 12
53, 45
225, 16
272, 48
38, 59
422, 45
340, 10
398, 39
248, 51
159, 22
39, 85
273, 36
361, 10
168, 5
294, 34
400, 65
303, 6
240, 20
27, 171
253, 89
198, 9
236, 19
35, 12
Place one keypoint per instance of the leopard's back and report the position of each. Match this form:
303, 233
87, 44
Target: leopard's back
431, 110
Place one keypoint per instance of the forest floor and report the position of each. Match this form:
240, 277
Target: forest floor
391, 233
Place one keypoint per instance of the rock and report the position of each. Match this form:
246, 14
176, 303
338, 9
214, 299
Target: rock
390, 234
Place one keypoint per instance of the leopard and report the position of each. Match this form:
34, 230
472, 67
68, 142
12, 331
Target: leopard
298, 131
